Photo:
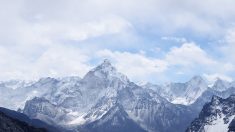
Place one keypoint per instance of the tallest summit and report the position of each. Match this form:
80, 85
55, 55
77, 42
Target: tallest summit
105, 67
106, 72
106, 61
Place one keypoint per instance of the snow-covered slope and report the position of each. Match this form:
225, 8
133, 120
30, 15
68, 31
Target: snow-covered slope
89, 100
41, 108
20, 91
181, 93
155, 113
75, 103
208, 94
82, 100
192, 92
115, 120
222, 85
215, 116
14, 94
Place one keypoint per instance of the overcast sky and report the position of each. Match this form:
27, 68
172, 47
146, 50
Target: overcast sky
148, 40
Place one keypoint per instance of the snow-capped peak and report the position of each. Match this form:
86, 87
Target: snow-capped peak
216, 116
197, 80
105, 67
196, 84
220, 85
106, 71
106, 61
186, 93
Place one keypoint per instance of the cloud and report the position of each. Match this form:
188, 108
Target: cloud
57, 37
56, 32
189, 54
54, 62
137, 66
44, 21
176, 39
69, 61
183, 62
179, 62
227, 45
190, 59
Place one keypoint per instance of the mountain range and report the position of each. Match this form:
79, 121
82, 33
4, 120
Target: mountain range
105, 100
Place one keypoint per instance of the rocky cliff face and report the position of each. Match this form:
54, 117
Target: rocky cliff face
216, 116
115, 120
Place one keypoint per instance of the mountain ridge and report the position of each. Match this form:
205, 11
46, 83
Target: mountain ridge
95, 100
73, 103
216, 115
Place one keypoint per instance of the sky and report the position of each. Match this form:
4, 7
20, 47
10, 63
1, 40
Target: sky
148, 40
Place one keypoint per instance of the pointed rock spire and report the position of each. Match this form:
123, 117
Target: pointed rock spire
105, 72
105, 67
106, 62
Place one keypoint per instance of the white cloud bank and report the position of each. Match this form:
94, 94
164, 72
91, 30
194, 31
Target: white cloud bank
187, 60
52, 38
136, 65
53, 62
188, 55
